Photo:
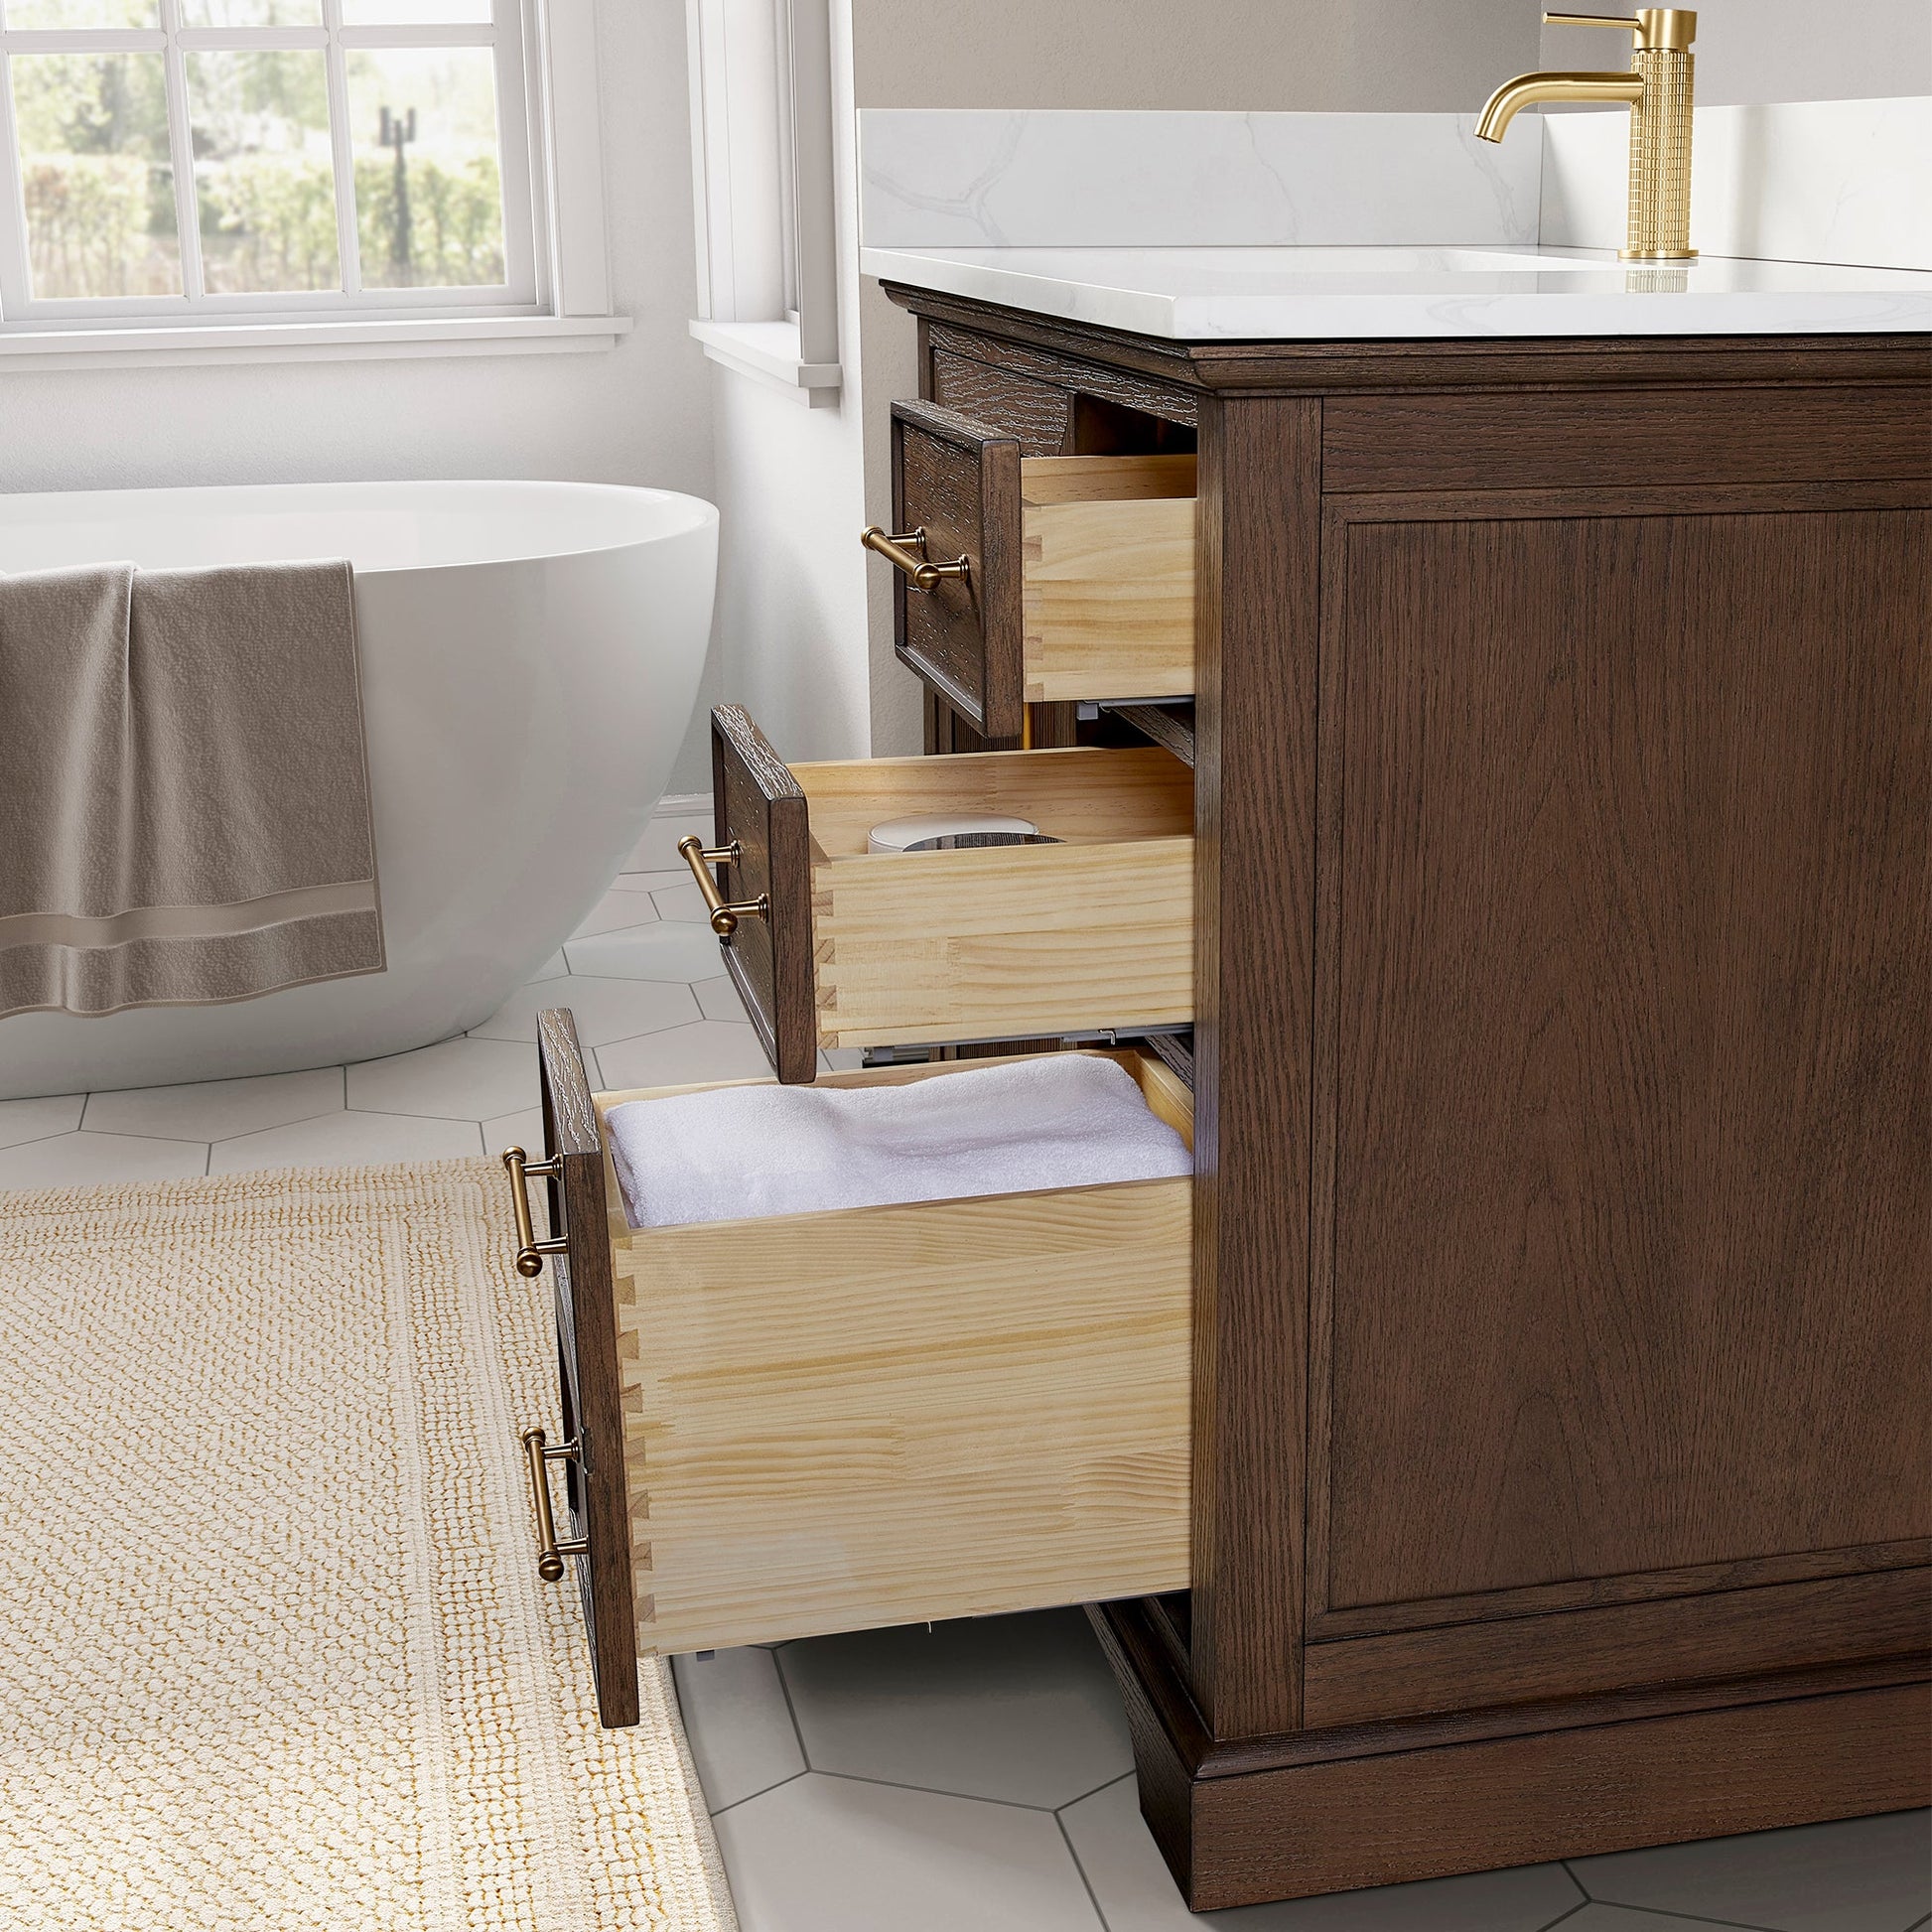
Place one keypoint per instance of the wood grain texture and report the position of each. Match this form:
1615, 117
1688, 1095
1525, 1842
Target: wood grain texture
960, 482
1599, 1593
1531, 1659
1640, 438
1255, 794
1107, 591
1373, 1821
1035, 940
1632, 1219
889, 1415
598, 1509
1168, 378
1171, 726
1112, 378
1036, 414
761, 809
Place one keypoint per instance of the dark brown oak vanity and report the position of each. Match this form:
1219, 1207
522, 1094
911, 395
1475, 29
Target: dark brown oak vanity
1554, 870
1563, 1073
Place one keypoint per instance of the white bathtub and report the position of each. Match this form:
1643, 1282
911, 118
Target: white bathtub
530, 656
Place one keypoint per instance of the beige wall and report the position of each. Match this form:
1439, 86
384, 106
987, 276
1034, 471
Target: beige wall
1750, 51
1351, 55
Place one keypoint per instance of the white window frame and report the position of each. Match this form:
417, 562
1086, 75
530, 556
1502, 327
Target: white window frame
765, 218
556, 291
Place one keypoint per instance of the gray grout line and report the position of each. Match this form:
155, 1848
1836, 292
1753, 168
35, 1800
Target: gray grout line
775, 1785
1568, 1871
1087, 1884
1094, 1793
791, 1709
1677, 1912
1582, 1905
935, 1791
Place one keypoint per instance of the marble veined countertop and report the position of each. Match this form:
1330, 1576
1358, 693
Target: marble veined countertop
1329, 294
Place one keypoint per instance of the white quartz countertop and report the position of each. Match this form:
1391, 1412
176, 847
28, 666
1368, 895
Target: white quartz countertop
1328, 293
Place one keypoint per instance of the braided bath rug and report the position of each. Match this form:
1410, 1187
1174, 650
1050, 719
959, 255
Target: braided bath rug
273, 1651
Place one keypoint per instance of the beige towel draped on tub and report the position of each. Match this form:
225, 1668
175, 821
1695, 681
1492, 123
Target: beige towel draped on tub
183, 791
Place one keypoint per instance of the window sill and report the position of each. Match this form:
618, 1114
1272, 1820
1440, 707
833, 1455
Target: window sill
148, 345
769, 353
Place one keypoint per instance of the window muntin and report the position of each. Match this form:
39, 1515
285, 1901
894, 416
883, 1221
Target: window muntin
163, 159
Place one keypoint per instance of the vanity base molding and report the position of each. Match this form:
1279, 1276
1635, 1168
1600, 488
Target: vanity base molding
1314, 1812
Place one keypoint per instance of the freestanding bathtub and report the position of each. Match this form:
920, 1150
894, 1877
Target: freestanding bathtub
530, 656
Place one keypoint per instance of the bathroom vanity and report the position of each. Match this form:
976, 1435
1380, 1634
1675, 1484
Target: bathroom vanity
1495, 776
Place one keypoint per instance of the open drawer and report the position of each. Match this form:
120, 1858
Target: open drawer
831, 945
1077, 577
837, 1421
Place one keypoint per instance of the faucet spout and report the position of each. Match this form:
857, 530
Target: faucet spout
1525, 89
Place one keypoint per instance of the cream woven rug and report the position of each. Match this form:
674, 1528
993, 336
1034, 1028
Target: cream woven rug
273, 1652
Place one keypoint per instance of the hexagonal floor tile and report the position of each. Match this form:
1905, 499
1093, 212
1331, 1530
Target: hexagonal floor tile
617, 909
347, 1139
458, 1079
1137, 1893
604, 1008
1020, 1709
35, 1120
735, 1714
682, 902
656, 850
831, 1855
719, 999
672, 949
524, 1130
1860, 1874
1616, 1918
217, 1110
707, 1049
89, 1160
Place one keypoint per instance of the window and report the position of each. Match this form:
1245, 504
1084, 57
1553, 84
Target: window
216, 161
761, 125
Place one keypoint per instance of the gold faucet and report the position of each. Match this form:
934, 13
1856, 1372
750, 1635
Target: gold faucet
1658, 90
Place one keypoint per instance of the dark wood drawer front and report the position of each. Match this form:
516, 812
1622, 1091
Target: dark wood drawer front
761, 811
1606, 439
596, 1510
1040, 415
1575, 1653
960, 482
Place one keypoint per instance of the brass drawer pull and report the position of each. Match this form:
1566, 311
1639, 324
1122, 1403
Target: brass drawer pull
724, 914
529, 1250
898, 551
550, 1553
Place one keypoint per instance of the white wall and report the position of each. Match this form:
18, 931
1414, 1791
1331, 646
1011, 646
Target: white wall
790, 493
1750, 51
638, 413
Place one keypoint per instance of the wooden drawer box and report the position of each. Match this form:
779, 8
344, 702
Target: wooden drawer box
857, 949
838, 1421
1080, 570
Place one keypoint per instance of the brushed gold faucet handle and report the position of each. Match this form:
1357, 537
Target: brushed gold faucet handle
1658, 29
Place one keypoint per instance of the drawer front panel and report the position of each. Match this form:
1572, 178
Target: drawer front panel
761, 810
960, 483
889, 1415
1040, 415
1653, 437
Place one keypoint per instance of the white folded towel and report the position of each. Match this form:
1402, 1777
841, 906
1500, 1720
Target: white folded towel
733, 1153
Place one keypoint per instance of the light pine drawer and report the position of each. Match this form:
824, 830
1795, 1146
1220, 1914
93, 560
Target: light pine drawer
1079, 580
840, 1421
848, 948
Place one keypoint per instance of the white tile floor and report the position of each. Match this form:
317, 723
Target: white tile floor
973, 1777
